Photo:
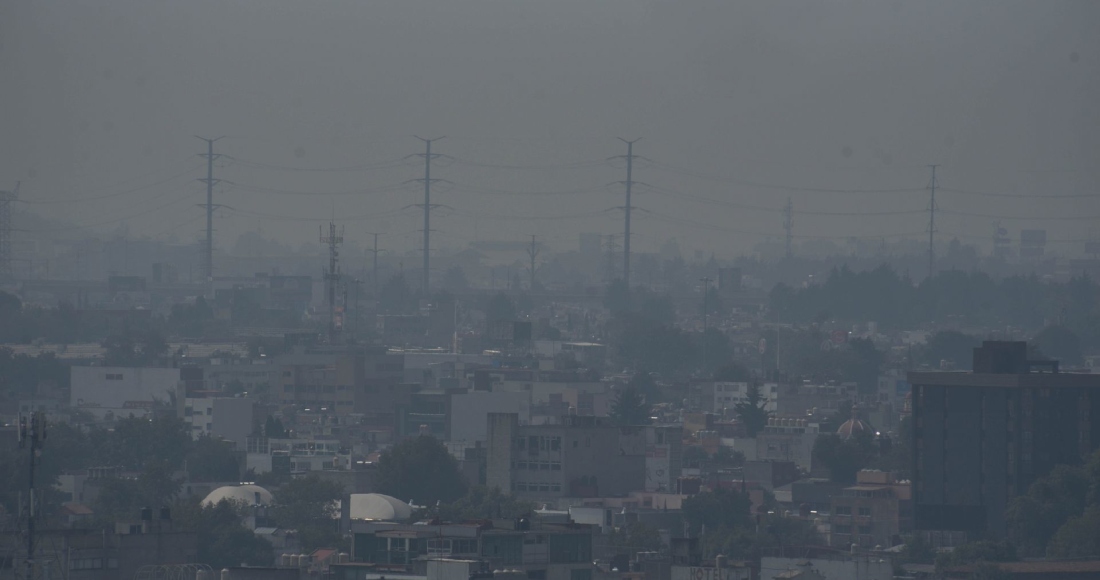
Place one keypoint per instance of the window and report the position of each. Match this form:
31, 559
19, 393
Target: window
843, 510
555, 466
555, 444
521, 465
114, 376
865, 530
522, 443
842, 529
865, 511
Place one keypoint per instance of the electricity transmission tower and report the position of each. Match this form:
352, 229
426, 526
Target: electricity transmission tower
533, 253
628, 207
208, 250
332, 275
427, 205
6, 197
788, 225
932, 225
374, 263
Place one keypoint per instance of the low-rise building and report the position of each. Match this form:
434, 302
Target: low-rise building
874, 512
581, 457
540, 550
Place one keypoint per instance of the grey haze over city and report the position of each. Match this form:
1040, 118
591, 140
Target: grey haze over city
840, 106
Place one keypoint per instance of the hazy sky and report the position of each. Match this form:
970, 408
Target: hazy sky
735, 101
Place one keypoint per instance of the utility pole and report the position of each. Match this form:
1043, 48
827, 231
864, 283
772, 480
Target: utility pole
788, 224
32, 432
208, 263
533, 253
427, 179
932, 225
626, 208
332, 275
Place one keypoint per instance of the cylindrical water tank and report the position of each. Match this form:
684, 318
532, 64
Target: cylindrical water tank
225, 574
204, 575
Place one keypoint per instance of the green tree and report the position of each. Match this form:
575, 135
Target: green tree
732, 373
308, 505
273, 428
499, 308
1060, 343
636, 537
1079, 537
1034, 518
395, 296
716, 509
223, 539
484, 503
454, 279
752, 411
976, 552
629, 407
134, 349
420, 469
843, 458
950, 345
728, 457
213, 460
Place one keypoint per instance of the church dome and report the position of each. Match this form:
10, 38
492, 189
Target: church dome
249, 494
855, 426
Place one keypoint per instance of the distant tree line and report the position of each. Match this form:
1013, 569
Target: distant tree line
895, 302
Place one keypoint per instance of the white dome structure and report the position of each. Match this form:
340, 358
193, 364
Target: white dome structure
375, 506
248, 494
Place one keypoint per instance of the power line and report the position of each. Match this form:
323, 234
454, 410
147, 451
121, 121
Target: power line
109, 195
573, 165
762, 185
348, 168
1021, 195
348, 192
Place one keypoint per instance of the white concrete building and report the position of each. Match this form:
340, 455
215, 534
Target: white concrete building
470, 413
227, 418
728, 394
122, 391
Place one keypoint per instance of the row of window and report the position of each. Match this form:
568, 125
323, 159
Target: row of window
843, 529
541, 443
523, 486
537, 465
846, 510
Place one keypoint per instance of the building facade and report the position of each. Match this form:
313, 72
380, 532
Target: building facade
582, 457
982, 437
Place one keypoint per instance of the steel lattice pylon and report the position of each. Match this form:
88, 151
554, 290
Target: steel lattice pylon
6, 197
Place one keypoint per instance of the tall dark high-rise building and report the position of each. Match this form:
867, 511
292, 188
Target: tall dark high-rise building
981, 438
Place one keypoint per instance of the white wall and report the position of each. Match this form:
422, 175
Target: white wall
127, 391
470, 412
